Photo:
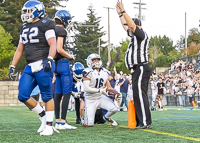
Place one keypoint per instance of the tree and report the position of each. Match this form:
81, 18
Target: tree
164, 43
7, 49
10, 13
86, 38
193, 42
120, 61
154, 53
180, 43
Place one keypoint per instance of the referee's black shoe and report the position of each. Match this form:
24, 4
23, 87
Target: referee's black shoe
143, 127
78, 121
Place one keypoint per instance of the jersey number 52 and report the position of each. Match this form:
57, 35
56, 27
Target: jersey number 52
29, 34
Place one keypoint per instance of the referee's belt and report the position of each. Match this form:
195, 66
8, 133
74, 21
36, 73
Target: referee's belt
138, 65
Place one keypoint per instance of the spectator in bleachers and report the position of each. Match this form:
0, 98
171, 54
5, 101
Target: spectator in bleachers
154, 90
190, 92
161, 87
180, 97
124, 82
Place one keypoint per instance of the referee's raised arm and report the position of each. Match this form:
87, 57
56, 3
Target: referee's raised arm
124, 17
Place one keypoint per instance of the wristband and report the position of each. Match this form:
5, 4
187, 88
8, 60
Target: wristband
11, 66
50, 57
121, 15
123, 12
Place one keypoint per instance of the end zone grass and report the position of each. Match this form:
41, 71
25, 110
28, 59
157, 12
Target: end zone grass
19, 125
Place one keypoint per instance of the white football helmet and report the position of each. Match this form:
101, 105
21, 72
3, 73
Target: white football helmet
91, 57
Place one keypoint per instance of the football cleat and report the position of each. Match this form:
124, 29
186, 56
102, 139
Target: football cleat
48, 130
57, 126
42, 126
110, 120
82, 120
66, 126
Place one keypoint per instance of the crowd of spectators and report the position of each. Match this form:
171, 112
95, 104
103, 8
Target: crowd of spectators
186, 80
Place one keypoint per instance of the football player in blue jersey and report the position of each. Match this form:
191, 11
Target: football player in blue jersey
38, 40
95, 82
64, 81
78, 91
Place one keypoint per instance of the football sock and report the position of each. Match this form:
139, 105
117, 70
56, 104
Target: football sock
58, 123
49, 117
38, 109
77, 108
65, 104
57, 99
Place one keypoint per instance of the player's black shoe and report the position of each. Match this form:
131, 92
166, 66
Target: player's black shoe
78, 121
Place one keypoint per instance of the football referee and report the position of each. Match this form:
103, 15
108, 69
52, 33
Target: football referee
136, 60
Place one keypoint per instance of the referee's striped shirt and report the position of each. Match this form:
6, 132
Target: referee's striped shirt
137, 52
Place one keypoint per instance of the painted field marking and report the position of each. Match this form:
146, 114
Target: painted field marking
163, 133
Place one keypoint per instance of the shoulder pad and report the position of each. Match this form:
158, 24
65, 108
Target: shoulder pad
86, 71
106, 70
46, 19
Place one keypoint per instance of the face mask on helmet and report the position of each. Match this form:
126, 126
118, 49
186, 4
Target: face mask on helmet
77, 69
32, 10
64, 16
92, 64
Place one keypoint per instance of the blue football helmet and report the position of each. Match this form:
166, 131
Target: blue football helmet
77, 69
31, 10
90, 63
64, 16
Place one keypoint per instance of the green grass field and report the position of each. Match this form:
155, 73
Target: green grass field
19, 125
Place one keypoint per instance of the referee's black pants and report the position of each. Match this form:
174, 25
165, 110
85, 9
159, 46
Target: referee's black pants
140, 79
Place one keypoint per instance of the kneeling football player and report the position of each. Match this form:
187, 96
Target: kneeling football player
95, 82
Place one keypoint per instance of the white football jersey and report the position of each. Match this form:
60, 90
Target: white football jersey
154, 89
79, 86
97, 80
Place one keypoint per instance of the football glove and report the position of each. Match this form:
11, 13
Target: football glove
11, 72
103, 91
118, 96
77, 95
48, 64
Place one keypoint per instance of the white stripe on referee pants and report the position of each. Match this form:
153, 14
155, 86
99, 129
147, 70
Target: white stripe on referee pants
140, 96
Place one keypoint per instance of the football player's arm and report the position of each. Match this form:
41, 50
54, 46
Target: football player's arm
60, 49
51, 40
87, 88
108, 85
18, 54
52, 43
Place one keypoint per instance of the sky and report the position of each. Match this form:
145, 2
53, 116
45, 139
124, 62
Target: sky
162, 17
